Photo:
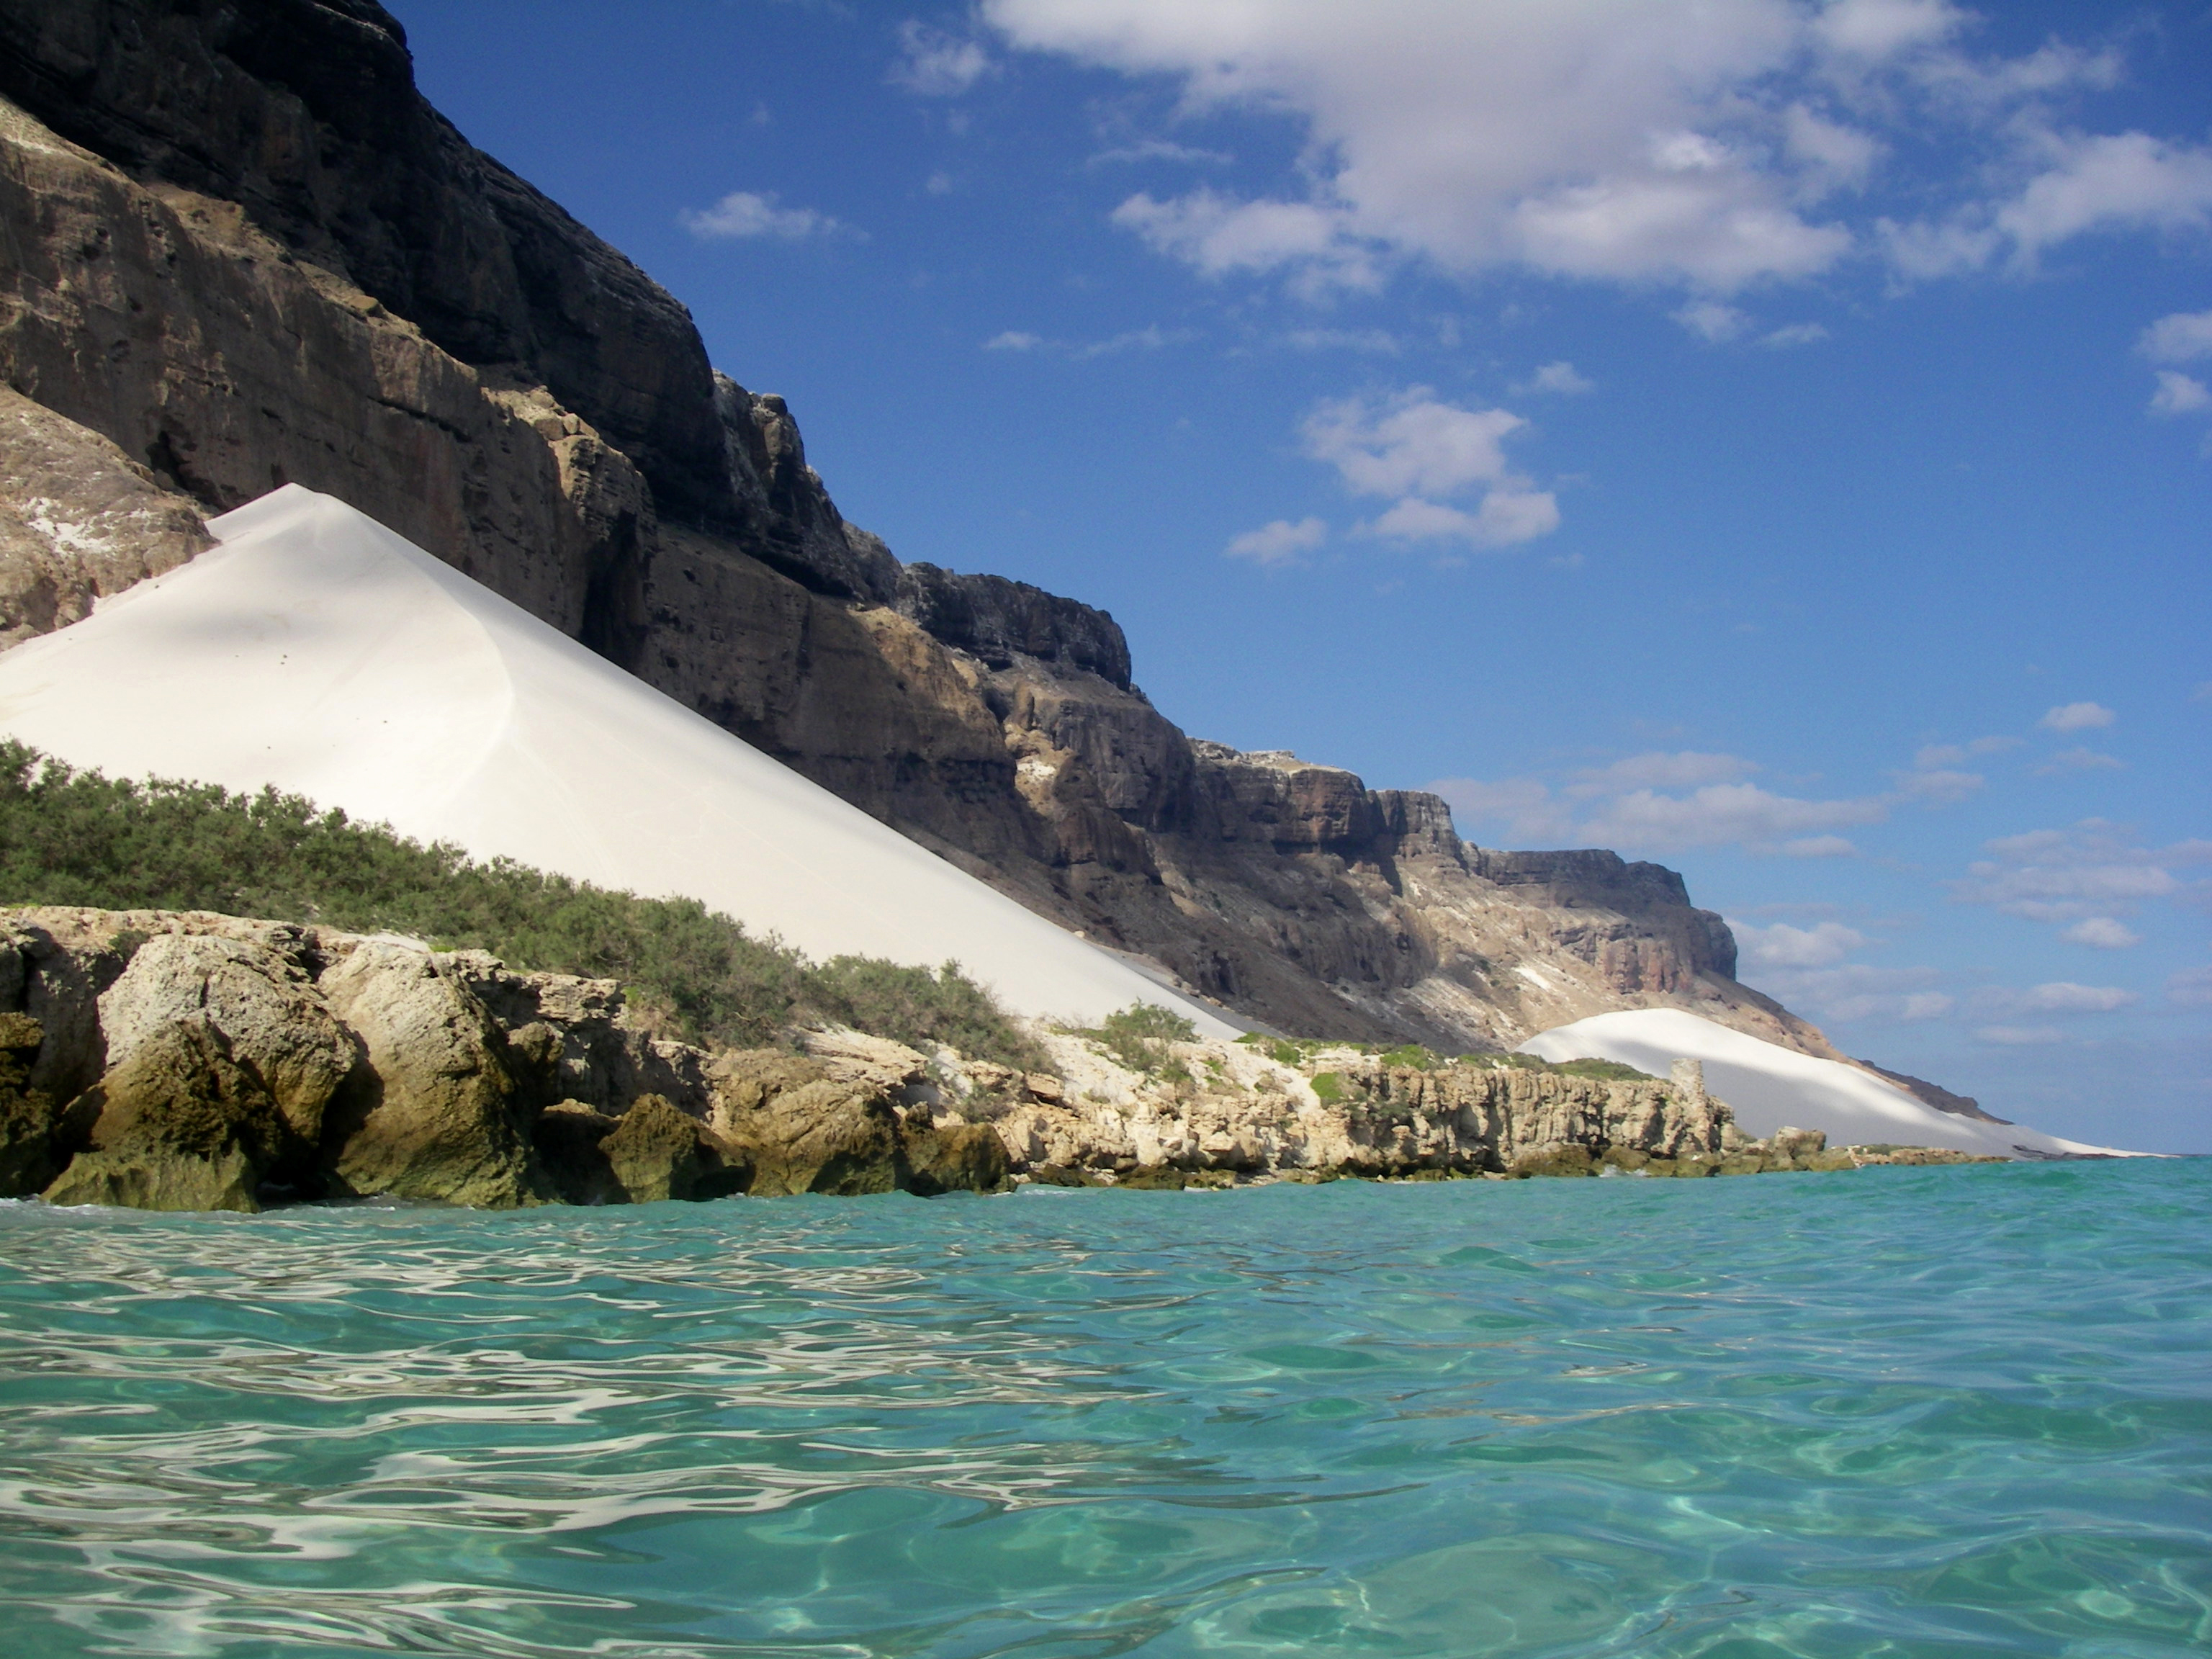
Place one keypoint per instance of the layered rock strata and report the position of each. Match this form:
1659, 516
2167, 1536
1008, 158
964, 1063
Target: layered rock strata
242, 250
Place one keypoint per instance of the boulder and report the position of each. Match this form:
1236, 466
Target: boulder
743, 1080
436, 1111
954, 1158
818, 1137
855, 1057
657, 1152
273, 1020
180, 1125
1553, 1160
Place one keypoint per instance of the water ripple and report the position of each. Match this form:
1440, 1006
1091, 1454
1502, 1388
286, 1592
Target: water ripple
1903, 1412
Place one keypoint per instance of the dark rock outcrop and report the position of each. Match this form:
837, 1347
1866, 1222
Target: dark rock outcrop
178, 1125
1000, 621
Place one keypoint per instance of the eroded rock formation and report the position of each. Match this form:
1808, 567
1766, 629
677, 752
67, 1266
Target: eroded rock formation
241, 249
203, 1062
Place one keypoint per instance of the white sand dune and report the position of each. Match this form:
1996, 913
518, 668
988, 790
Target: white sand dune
1772, 1088
318, 651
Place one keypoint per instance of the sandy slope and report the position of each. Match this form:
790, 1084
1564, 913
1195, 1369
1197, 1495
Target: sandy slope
318, 651
1771, 1087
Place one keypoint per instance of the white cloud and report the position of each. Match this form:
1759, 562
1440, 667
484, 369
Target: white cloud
1416, 447
938, 184
1150, 337
1278, 543
1782, 945
1843, 155
2191, 988
1660, 770
1410, 444
936, 64
2020, 1037
1218, 235
1634, 141
1666, 801
2124, 180
1590, 137
1712, 321
1881, 28
2179, 338
1820, 846
1720, 815
1858, 991
747, 213
1162, 149
1794, 334
2065, 997
2070, 875
1505, 518
2078, 760
2103, 933
2077, 717
1562, 378
1939, 788
2178, 394
1379, 341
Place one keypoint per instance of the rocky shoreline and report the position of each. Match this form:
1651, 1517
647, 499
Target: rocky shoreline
193, 1061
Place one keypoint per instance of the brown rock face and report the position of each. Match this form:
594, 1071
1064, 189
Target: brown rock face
242, 250
78, 519
434, 1112
810, 1137
271, 1016
179, 1125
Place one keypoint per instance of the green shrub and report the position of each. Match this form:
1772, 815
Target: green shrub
1137, 1037
68, 837
1605, 1071
1413, 1054
1327, 1086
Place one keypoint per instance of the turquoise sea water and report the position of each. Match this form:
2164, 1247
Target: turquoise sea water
1897, 1413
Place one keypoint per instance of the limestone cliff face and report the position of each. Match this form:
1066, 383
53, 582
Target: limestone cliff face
238, 249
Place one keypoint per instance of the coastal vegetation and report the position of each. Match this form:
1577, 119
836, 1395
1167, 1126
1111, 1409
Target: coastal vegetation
72, 837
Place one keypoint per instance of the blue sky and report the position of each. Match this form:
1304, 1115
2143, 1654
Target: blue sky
1777, 444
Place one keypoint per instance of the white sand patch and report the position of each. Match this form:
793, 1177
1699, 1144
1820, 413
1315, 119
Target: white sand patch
318, 651
1771, 1087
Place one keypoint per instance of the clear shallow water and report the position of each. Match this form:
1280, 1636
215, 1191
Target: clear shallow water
1900, 1413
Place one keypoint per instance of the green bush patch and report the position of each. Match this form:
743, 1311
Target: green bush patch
80, 838
1138, 1037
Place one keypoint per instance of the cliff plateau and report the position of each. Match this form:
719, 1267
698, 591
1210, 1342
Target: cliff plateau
238, 249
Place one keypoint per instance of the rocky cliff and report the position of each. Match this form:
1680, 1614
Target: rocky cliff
238, 249
172, 1061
